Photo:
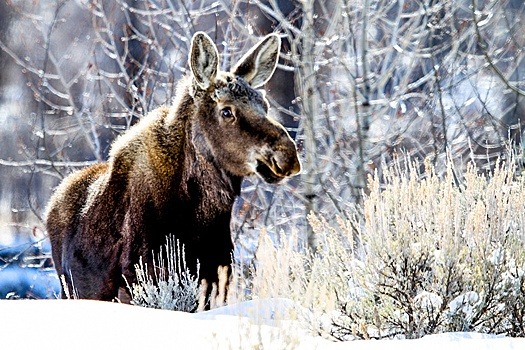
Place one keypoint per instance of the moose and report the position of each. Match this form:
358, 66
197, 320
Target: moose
175, 172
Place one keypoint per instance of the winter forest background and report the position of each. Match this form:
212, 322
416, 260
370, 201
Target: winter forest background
408, 115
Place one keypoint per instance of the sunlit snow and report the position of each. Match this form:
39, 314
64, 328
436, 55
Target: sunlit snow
264, 324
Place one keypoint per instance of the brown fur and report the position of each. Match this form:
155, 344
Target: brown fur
176, 172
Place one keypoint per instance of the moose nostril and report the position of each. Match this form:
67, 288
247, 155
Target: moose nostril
276, 166
287, 168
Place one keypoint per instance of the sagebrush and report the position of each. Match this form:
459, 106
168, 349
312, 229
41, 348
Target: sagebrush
171, 286
439, 255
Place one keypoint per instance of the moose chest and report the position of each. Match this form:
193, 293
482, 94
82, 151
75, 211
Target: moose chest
192, 210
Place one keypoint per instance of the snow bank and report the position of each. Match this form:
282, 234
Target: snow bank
267, 324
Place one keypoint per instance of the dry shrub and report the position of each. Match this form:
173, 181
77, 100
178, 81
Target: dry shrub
438, 256
287, 270
171, 286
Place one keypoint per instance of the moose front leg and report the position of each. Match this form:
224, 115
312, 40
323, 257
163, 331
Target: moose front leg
214, 289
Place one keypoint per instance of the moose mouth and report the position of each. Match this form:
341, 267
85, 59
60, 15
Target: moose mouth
267, 173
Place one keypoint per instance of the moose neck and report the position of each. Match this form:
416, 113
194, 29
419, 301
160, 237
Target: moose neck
203, 180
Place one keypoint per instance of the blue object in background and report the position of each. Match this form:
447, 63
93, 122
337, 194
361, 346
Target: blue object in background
28, 283
27, 272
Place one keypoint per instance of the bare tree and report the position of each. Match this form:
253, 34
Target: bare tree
374, 79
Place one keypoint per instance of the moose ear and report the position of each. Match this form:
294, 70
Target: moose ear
258, 64
203, 60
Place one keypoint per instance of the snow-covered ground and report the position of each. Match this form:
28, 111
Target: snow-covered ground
82, 324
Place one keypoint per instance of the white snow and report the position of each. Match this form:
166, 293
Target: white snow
263, 324
464, 302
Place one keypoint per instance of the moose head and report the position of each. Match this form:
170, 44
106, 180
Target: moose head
234, 120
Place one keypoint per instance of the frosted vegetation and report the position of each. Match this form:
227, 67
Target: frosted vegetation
171, 286
423, 255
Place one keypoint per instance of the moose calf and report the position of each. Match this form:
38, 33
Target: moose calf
176, 172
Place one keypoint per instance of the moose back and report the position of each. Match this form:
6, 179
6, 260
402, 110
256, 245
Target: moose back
176, 172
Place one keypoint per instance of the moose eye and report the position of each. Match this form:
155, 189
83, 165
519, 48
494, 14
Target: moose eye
227, 113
